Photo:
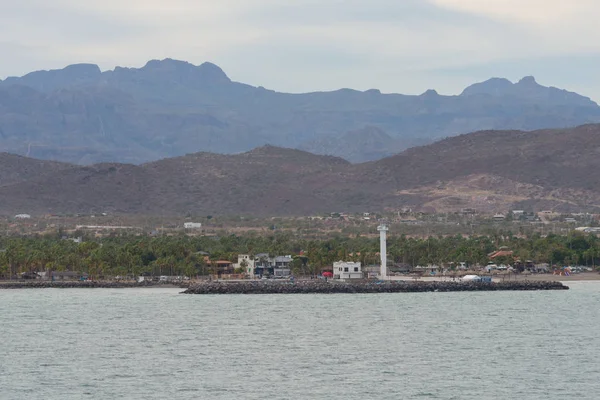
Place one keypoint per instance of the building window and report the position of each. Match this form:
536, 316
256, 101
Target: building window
345, 269
355, 269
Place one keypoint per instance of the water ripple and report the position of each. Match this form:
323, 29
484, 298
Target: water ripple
157, 344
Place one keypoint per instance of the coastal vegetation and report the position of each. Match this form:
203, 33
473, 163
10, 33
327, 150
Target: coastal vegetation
131, 255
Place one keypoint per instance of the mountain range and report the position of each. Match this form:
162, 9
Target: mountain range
489, 171
168, 108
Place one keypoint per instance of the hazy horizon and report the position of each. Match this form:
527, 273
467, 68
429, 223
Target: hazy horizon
309, 45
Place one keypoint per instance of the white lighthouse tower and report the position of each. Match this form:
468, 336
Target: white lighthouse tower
382, 228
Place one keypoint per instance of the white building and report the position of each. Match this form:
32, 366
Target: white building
22, 216
246, 262
262, 264
347, 270
499, 217
192, 225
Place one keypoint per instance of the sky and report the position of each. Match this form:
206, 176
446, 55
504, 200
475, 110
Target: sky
403, 46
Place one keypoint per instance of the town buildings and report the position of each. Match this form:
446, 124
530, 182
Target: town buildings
347, 270
263, 264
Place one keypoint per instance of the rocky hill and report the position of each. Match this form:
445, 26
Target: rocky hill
15, 169
490, 171
169, 108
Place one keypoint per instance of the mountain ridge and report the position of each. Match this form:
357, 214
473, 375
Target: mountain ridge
490, 171
168, 108
83, 70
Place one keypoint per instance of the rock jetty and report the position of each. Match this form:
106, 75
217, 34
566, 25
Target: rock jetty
83, 284
323, 287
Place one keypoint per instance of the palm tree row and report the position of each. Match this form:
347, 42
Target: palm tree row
184, 255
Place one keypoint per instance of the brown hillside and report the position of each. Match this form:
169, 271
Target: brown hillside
550, 158
267, 180
490, 171
103, 187
15, 168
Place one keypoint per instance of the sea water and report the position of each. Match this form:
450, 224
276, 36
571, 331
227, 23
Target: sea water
157, 344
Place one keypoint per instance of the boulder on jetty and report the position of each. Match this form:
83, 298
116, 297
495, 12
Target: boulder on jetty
329, 287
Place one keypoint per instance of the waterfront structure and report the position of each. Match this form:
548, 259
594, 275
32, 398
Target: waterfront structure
383, 249
192, 225
282, 272
221, 267
22, 216
66, 275
279, 266
347, 270
246, 262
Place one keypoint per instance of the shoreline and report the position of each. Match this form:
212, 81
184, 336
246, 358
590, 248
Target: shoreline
582, 277
403, 280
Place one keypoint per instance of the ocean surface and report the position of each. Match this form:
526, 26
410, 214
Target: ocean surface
157, 344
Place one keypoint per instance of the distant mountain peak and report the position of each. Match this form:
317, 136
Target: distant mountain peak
48, 80
83, 68
167, 63
207, 72
214, 71
493, 86
526, 88
79, 70
430, 93
528, 80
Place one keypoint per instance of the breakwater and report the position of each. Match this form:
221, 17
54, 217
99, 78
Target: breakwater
84, 284
322, 287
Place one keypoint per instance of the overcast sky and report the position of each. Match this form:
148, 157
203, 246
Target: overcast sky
405, 46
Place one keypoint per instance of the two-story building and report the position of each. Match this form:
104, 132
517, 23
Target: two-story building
247, 263
219, 268
347, 270
279, 266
